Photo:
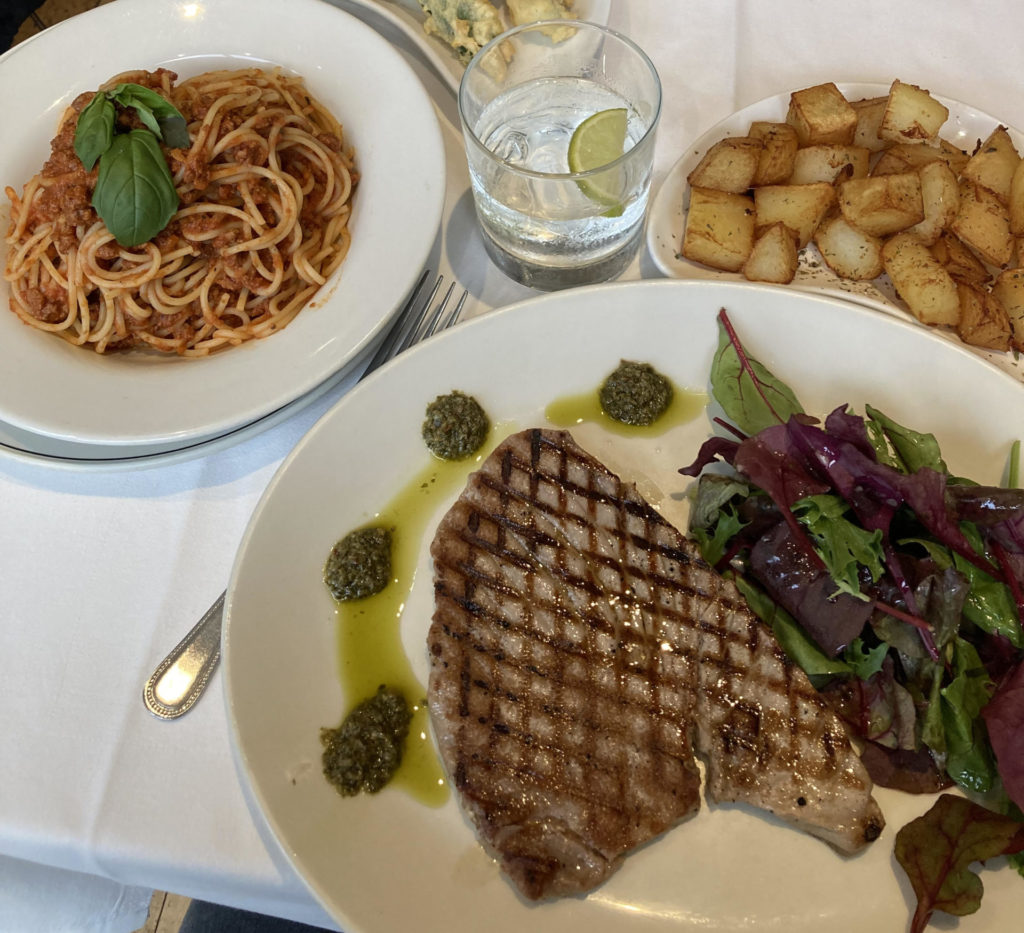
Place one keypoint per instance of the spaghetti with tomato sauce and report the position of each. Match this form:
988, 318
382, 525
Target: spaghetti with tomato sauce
265, 193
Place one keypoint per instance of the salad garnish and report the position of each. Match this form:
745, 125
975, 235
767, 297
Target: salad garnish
898, 587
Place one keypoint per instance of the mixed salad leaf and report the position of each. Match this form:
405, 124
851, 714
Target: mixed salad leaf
898, 587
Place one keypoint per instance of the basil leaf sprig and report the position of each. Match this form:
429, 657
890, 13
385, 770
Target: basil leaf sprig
134, 194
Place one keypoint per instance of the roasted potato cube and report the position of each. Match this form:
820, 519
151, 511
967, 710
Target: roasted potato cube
1016, 201
1009, 289
729, 165
869, 120
773, 257
828, 162
959, 260
940, 195
900, 158
882, 205
921, 280
909, 157
983, 319
956, 158
911, 114
719, 228
780, 145
983, 223
799, 207
821, 114
847, 251
993, 163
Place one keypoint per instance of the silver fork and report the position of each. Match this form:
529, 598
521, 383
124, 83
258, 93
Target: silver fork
180, 678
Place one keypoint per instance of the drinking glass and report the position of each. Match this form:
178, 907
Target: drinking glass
520, 101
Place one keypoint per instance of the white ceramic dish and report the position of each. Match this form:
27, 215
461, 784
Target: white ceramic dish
67, 393
730, 868
441, 55
965, 127
31, 449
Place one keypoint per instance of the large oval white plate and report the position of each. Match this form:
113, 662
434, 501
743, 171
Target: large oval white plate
387, 864
66, 392
965, 128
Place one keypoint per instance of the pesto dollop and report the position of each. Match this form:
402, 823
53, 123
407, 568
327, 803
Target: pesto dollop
635, 393
455, 427
364, 752
359, 565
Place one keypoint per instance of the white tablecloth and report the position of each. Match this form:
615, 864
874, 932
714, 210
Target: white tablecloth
101, 573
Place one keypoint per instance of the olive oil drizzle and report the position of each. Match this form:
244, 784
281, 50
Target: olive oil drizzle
370, 650
570, 410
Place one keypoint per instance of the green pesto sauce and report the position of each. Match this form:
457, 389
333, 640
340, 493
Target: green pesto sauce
455, 426
635, 393
365, 751
370, 650
359, 565
570, 410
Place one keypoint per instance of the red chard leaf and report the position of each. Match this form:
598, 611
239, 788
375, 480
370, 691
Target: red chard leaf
937, 849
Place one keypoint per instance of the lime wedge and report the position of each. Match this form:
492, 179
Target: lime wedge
598, 140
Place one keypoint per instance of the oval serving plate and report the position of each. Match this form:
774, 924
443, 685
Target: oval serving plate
729, 868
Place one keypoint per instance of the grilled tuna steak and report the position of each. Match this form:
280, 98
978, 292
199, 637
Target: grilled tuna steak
581, 652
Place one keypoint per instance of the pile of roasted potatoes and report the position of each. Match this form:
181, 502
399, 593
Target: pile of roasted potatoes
874, 186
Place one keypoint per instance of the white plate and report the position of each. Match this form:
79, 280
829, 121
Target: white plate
65, 392
53, 453
965, 128
387, 864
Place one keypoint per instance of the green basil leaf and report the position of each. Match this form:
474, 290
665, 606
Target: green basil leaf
135, 195
751, 396
94, 130
157, 113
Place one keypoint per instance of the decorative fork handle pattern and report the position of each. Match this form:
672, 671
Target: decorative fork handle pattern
181, 678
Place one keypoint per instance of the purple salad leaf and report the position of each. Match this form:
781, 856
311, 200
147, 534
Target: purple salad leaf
911, 771
1004, 718
805, 589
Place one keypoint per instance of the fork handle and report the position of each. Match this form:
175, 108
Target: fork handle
181, 677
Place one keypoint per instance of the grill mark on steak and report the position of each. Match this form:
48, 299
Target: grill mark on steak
580, 649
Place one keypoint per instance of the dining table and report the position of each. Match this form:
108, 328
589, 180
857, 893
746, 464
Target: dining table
103, 569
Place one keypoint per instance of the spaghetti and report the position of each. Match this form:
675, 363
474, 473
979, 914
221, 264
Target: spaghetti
265, 195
